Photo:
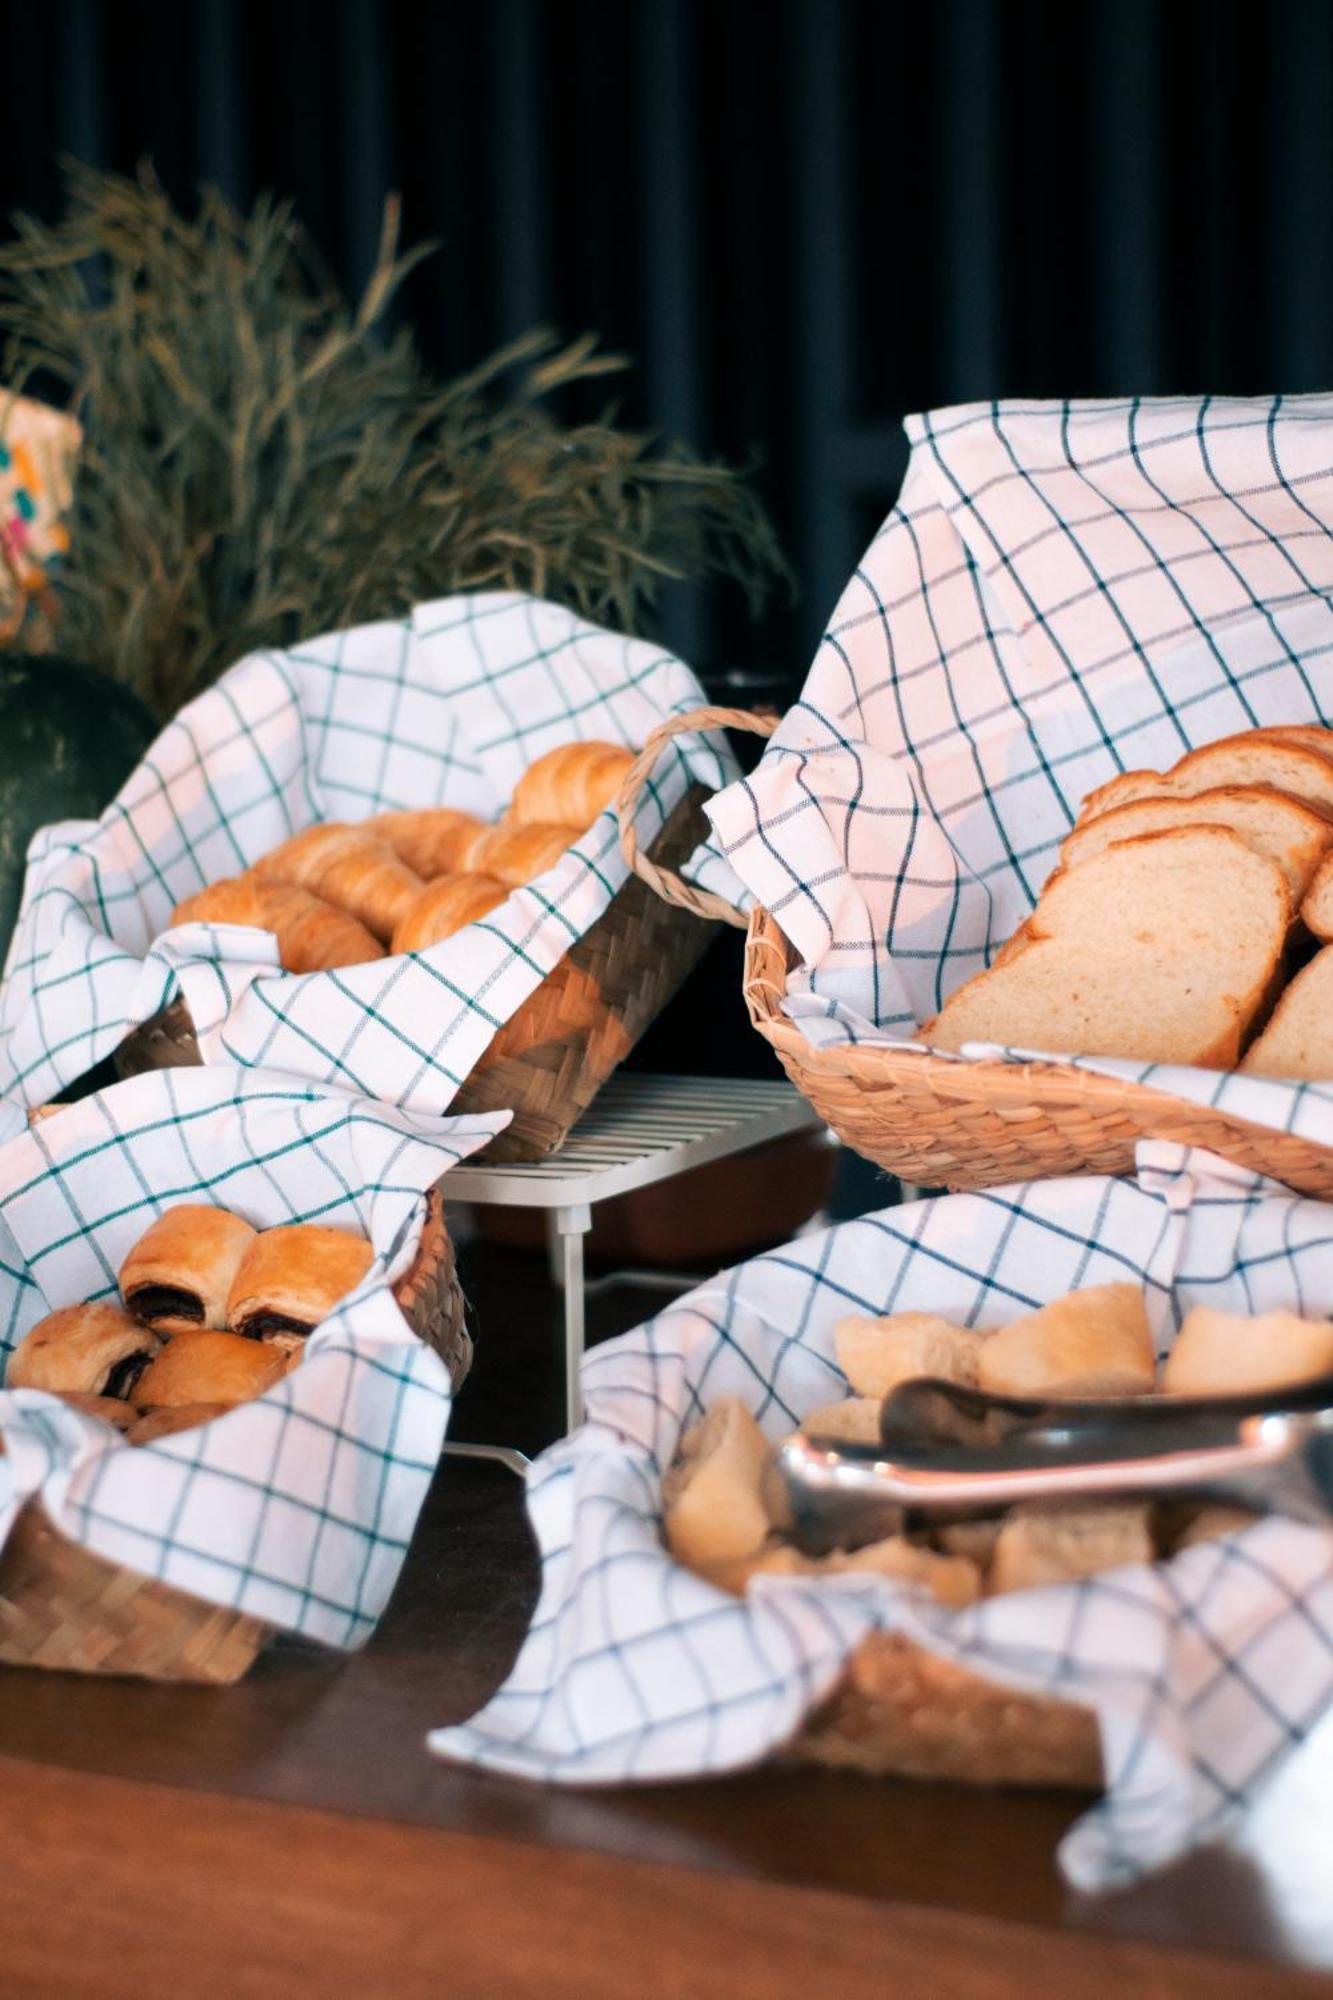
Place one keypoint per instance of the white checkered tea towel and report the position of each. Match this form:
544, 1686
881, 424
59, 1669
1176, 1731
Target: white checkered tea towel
1064, 591
296, 1508
447, 707
1203, 1672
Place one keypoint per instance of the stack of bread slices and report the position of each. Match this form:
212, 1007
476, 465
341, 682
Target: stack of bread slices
1189, 920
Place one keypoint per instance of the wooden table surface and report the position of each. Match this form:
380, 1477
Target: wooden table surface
293, 1834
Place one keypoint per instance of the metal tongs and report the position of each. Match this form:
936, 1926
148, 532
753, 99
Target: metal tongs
947, 1450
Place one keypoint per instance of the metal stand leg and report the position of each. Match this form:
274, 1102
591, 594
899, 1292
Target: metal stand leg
572, 1225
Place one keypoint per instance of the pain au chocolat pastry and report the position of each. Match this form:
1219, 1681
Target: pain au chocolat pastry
209, 1367
312, 935
435, 841
170, 1418
178, 1275
350, 867
518, 854
109, 1408
291, 1278
90, 1350
447, 906
570, 785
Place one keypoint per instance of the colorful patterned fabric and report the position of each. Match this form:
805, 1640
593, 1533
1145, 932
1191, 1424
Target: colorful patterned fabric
1203, 1672
37, 449
298, 1507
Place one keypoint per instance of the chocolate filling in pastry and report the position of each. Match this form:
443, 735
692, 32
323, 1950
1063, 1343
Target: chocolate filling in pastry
152, 1302
125, 1374
276, 1326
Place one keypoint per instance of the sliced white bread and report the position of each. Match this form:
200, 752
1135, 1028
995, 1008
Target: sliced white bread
1292, 834
1297, 1043
1308, 734
1164, 948
1251, 759
1317, 908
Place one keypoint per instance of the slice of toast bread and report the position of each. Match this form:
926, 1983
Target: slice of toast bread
1164, 948
1292, 834
1297, 1043
1317, 908
1250, 759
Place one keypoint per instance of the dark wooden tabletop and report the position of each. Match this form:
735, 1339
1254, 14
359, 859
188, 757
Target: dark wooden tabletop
296, 1825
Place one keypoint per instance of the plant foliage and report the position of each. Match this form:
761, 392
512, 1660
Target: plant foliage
264, 459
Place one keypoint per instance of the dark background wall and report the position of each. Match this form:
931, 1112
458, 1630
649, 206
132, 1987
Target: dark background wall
801, 217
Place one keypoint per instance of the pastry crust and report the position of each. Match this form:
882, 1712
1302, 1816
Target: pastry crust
433, 842
91, 1350
571, 785
169, 1419
209, 1367
291, 1278
177, 1276
109, 1408
447, 906
519, 854
355, 870
312, 936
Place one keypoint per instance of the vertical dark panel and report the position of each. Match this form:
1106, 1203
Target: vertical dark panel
365, 120
83, 85
823, 306
673, 344
1128, 184
971, 266
1299, 267
220, 116
519, 166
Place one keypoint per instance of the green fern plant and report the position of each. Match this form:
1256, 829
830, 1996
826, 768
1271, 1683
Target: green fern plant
263, 459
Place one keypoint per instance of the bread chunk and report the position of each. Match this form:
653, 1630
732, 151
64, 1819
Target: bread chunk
1251, 758
877, 1354
1317, 906
1093, 1342
714, 1495
1220, 1354
1043, 1542
1297, 1043
1163, 948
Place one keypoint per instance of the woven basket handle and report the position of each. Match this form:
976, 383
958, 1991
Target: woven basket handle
669, 886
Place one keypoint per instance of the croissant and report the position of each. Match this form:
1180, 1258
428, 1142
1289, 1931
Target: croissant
446, 906
432, 842
518, 854
571, 784
355, 870
312, 936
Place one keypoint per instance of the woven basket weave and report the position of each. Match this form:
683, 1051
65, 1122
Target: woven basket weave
550, 1059
62, 1606
934, 1121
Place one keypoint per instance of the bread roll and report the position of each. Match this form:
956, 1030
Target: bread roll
519, 854
90, 1350
1293, 835
433, 842
877, 1354
1164, 948
351, 868
311, 935
571, 785
856, 1419
291, 1278
446, 906
1223, 1354
1093, 1342
209, 1367
178, 1275
951, 1580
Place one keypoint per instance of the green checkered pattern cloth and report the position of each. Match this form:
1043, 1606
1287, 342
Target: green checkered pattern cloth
296, 1508
1203, 1671
1063, 592
446, 707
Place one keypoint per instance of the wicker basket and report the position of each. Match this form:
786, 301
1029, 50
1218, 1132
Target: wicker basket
937, 1122
62, 1606
550, 1059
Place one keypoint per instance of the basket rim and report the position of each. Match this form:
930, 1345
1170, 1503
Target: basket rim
770, 955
